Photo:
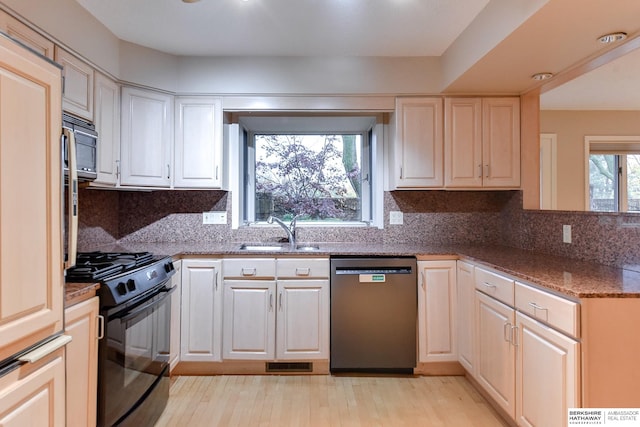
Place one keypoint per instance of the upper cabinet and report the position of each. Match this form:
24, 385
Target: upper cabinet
77, 94
107, 115
482, 142
417, 154
146, 138
198, 143
26, 35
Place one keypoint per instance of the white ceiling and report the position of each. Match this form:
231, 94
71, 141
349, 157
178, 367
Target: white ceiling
289, 27
559, 35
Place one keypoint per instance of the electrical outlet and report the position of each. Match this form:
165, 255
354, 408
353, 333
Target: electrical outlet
566, 233
214, 217
395, 217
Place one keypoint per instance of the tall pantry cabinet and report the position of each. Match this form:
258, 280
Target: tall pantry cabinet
31, 287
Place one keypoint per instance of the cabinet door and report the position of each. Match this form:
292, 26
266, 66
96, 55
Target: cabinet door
147, 123
466, 317
495, 369
201, 319
26, 35
501, 142
81, 323
77, 96
303, 319
33, 394
418, 148
437, 340
463, 142
198, 143
249, 319
547, 374
176, 304
107, 112
31, 287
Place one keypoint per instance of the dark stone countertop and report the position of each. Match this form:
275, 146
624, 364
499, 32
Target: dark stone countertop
573, 278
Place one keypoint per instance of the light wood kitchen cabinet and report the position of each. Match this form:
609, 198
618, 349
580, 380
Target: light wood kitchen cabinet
302, 329
495, 370
176, 306
547, 374
81, 323
107, 115
482, 142
77, 95
201, 313
417, 153
283, 316
437, 311
26, 35
31, 287
146, 138
466, 316
198, 143
34, 393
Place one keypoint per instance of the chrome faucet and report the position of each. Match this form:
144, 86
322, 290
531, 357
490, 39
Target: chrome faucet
290, 229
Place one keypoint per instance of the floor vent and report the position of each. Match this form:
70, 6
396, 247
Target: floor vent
289, 367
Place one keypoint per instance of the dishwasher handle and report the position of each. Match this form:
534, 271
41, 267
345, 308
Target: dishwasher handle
340, 271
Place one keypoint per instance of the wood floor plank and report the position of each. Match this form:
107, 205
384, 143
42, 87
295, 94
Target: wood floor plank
325, 400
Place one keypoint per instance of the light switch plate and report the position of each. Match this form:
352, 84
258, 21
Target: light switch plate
566, 233
396, 217
214, 217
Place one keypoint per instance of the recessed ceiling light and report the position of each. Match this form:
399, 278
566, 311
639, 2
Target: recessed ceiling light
190, 1
612, 37
542, 76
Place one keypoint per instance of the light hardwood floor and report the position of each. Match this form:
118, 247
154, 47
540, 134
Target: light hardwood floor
326, 400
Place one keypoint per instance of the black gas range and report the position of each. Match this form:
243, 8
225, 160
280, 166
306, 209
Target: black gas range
123, 276
133, 355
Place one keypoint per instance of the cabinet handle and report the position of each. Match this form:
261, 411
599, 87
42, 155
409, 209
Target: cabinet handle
400, 172
537, 307
514, 336
117, 168
489, 285
270, 301
424, 280
487, 167
216, 173
480, 171
303, 271
280, 302
100, 326
506, 332
248, 271
215, 281
168, 171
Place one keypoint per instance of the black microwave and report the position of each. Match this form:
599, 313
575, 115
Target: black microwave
86, 139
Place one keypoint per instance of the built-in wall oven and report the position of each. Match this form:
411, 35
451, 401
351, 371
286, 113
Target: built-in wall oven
133, 353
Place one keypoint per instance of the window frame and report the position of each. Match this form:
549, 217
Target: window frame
619, 146
243, 204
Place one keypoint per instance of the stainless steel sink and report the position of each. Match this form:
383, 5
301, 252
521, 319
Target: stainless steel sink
260, 247
305, 248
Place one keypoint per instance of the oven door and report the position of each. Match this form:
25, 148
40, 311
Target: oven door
133, 361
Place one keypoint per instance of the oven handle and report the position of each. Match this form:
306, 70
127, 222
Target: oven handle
137, 311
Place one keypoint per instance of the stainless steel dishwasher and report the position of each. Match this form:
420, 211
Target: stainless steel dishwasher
373, 314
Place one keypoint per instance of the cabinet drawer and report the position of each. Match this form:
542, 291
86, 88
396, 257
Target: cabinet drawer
303, 267
495, 285
249, 267
551, 309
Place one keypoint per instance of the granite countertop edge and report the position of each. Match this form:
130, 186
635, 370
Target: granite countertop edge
568, 277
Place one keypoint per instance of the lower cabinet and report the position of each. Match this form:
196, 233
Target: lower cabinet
437, 311
546, 374
34, 394
81, 323
276, 309
466, 292
527, 356
201, 310
176, 321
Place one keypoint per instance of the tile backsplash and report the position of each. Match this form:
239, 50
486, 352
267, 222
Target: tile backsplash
429, 217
